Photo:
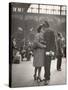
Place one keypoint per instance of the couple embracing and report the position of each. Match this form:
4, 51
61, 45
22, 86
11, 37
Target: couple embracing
44, 45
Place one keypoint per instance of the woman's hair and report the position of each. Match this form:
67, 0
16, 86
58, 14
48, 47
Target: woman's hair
59, 34
39, 29
46, 24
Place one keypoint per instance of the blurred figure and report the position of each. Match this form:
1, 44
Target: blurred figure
14, 48
14, 43
64, 46
23, 53
59, 51
38, 46
28, 51
17, 57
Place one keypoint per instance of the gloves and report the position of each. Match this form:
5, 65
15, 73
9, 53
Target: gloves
50, 53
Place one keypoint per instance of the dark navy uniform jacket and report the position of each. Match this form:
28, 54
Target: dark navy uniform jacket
49, 38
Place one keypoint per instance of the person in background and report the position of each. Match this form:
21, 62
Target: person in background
59, 51
14, 48
17, 57
23, 52
64, 46
38, 51
28, 54
14, 43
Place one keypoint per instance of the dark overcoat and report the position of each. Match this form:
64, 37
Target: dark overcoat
49, 38
59, 47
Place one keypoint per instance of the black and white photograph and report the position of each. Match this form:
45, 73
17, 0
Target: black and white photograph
37, 44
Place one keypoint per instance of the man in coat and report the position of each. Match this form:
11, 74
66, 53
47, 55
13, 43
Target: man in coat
49, 38
59, 51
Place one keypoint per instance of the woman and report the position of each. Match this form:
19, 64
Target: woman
39, 46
